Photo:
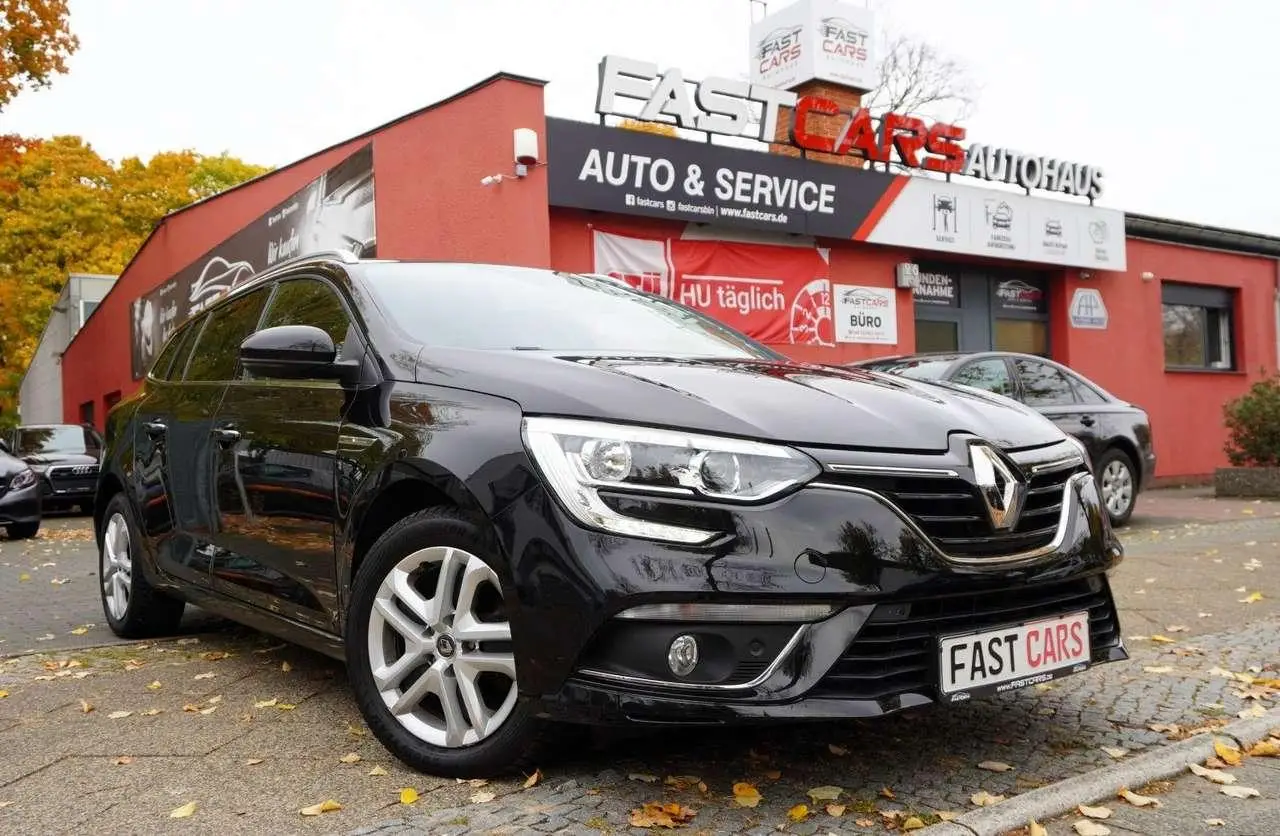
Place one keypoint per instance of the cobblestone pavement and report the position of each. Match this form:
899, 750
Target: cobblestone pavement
924, 764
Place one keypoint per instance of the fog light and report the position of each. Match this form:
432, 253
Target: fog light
682, 656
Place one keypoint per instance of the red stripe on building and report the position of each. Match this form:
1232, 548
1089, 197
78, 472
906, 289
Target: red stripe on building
882, 205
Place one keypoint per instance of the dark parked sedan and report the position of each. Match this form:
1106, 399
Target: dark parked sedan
65, 457
20, 509
1116, 433
510, 497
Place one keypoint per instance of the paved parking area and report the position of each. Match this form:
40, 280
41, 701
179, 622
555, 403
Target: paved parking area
222, 721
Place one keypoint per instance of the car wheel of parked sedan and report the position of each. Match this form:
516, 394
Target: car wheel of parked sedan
22, 531
134, 608
429, 651
1118, 485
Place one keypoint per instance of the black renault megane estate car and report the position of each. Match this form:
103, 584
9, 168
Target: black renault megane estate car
510, 498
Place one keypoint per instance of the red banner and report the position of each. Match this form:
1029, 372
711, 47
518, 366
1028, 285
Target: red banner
774, 293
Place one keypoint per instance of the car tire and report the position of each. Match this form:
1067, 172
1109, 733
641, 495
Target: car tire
404, 652
22, 531
133, 607
1117, 484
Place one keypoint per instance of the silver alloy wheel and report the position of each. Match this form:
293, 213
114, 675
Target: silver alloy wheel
117, 567
442, 659
1117, 487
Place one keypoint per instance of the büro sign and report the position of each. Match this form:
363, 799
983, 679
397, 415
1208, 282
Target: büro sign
733, 107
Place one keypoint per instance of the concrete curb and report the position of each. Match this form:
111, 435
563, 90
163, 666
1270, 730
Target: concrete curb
1102, 783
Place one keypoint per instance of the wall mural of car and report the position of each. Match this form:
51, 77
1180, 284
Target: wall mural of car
1116, 434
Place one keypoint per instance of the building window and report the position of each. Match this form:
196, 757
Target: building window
1198, 327
86, 309
86, 413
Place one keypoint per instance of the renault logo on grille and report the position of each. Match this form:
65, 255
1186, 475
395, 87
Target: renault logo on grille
1002, 491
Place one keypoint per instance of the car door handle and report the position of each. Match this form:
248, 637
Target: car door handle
1087, 420
226, 435
155, 429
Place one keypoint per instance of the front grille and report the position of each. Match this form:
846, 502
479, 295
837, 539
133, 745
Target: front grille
69, 474
951, 512
896, 652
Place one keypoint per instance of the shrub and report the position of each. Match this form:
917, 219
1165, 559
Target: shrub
1253, 425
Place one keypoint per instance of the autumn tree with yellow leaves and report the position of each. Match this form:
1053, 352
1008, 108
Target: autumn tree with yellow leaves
64, 209
35, 43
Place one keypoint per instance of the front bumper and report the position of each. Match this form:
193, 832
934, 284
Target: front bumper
23, 506
61, 485
894, 589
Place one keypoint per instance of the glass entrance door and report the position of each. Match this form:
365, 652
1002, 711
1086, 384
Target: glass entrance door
961, 308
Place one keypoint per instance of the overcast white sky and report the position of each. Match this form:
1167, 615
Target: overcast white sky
1174, 99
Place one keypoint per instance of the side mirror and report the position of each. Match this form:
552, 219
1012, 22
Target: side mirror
293, 352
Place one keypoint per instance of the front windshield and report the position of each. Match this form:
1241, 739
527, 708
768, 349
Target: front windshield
491, 307
47, 441
917, 369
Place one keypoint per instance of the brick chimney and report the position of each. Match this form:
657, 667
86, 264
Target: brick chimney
848, 100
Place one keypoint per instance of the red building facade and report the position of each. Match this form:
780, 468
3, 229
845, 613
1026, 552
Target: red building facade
1189, 322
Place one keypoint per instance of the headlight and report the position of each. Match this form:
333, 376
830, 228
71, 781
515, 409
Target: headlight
1084, 451
579, 458
23, 480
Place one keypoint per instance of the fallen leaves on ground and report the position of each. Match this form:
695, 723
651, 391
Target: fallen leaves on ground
982, 798
79, 631
837, 750
1084, 827
1217, 776
1158, 669
285, 667
3, 694
1251, 598
888, 793
206, 675
1138, 800
686, 782
1115, 751
800, 812
994, 766
329, 806
378, 770
183, 812
482, 797
350, 757
1269, 748
746, 795
773, 774
124, 760
1215, 822
1158, 637
1229, 754
657, 814
533, 779
825, 793
1035, 828
643, 777
86, 706
836, 810
913, 823
1094, 812
154, 686
1239, 792
253, 761
136, 664
266, 703
408, 795
119, 715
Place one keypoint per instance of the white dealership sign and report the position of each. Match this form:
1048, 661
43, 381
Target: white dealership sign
815, 40
865, 314
947, 217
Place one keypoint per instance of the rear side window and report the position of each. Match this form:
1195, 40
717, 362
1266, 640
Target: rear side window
218, 347
173, 359
1044, 385
991, 375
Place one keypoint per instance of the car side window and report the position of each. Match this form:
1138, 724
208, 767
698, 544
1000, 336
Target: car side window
218, 348
1044, 385
173, 360
1084, 392
309, 302
991, 374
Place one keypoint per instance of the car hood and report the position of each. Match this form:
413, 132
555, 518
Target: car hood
784, 401
39, 461
10, 465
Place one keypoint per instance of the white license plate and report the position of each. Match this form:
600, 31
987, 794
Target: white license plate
1007, 658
